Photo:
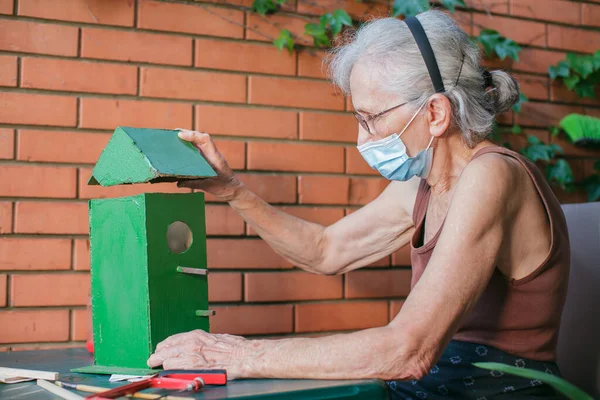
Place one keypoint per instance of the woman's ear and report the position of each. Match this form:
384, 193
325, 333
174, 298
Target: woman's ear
439, 114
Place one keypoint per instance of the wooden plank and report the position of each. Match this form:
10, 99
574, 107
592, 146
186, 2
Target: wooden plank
28, 373
63, 393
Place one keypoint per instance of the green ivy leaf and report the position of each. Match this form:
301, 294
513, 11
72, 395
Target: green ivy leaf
342, 17
596, 59
409, 8
494, 42
516, 130
451, 4
266, 6
537, 150
522, 99
571, 81
593, 190
554, 130
284, 40
597, 166
586, 89
314, 29
582, 64
560, 172
560, 70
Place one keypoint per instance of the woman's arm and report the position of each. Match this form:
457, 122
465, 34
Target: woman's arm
359, 239
461, 265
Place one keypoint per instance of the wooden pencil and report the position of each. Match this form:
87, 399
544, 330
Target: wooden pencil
97, 389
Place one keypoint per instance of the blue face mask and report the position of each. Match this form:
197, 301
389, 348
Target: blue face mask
388, 156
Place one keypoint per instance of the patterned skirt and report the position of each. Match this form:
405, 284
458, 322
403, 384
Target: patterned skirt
455, 377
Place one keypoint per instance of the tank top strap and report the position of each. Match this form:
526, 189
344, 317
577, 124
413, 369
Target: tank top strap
420, 207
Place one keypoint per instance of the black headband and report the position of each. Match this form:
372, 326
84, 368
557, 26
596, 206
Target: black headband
415, 27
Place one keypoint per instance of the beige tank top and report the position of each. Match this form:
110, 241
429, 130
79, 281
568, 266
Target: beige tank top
520, 317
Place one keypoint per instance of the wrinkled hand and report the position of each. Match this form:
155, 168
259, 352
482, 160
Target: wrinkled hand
201, 350
225, 185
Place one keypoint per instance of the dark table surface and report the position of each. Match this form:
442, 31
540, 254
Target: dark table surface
63, 360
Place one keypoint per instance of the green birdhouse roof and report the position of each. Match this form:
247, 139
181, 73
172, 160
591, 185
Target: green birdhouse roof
138, 155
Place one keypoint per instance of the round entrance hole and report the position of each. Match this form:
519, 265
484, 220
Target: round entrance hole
179, 237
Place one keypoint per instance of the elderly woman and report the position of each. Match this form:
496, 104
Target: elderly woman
489, 244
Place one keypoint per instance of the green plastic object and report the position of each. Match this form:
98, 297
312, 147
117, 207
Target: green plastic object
138, 296
138, 155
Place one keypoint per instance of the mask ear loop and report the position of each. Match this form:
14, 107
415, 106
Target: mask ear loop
411, 120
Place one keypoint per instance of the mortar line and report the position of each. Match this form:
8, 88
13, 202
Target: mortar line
79, 41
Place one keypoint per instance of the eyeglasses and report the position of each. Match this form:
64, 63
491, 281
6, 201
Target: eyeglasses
364, 122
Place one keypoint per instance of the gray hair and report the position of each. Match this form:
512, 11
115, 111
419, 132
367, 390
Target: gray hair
388, 48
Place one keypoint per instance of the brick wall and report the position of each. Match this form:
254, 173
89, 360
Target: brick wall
72, 70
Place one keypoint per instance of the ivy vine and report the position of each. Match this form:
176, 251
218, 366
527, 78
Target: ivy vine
579, 73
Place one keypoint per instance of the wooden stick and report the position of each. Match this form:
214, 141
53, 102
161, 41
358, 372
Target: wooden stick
28, 373
63, 393
97, 389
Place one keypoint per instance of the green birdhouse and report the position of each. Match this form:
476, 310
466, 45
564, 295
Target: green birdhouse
148, 252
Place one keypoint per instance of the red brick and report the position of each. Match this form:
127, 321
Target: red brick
590, 15
374, 284
81, 255
234, 152
268, 28
560, 93
578, 196
573, 39
6, 6
96, 191
51, 217
37, 181
571, 150
136, 46
365, 190
194, 85
78, 76
38, 109
53, 146
33, 37
51, 346
524, 32
348, 103
594, 112
356, 164
518, 142
323, 190
225, 286
464, 20
536, 60
310, 63
328, 126
252, 320
401, 257
34, 253
118, 12
291, 286
6, 210
68, 289
577, 167
349, 315
24, 326
81, 324
271, 188
3, 289
295, 157
534, 87
243, 254
395, 306
110, 113
550, 10
190, 18
289, 92
244, 56
223, 220
8, 71
7, 143
499, 7
544, 114
354, 8
241, 121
